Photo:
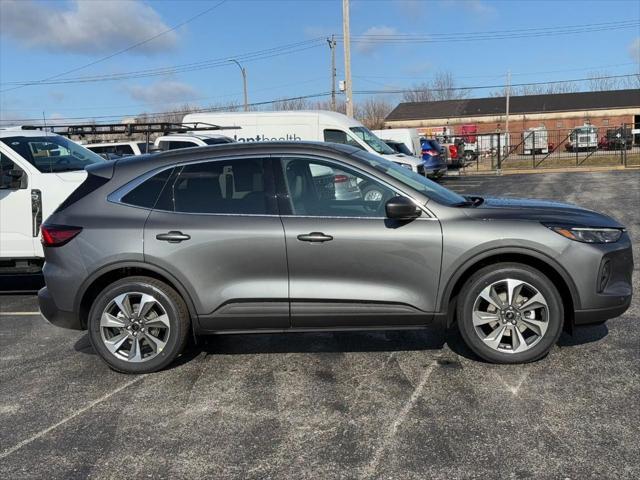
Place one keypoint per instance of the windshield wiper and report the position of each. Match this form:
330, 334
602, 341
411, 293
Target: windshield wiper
470, 202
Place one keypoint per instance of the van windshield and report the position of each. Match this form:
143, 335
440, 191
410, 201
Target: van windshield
413, 180
53, 153
370, 139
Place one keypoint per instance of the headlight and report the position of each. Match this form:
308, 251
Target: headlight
588, 234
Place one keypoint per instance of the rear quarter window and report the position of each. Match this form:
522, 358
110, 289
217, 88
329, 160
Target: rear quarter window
146, 194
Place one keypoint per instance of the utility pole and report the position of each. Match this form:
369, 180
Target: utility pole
332, 46
244, 84
347, 57
506, 120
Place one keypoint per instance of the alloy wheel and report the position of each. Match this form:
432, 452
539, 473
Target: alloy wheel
510, 316
134, 327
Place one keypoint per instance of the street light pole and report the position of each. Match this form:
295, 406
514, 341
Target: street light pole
244, 84
332, 45
347, 57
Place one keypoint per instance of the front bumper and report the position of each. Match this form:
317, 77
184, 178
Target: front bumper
600, 315
55, 316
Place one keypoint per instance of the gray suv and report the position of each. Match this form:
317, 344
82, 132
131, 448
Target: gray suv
242, 238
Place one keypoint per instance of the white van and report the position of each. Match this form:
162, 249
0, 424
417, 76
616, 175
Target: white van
408, 136
38, 171
309, 125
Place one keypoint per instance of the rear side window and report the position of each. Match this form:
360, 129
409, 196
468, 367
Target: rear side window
146, 194
175, 145
226, 186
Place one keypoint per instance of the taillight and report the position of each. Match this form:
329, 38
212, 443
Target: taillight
433, 153
58, 235
340, 178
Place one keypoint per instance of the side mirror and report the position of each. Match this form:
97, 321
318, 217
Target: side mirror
402, 208
13, 179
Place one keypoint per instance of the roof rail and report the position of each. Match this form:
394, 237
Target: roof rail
127, 128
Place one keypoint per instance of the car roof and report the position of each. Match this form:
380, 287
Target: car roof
19, 131
143, 162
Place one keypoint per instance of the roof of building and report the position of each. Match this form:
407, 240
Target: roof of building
559, 102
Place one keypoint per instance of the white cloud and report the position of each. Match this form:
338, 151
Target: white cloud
634, 50
86, 27
368, 45
164, 91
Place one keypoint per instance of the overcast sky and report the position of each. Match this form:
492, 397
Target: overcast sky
42, 39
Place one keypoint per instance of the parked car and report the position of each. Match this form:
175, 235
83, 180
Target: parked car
110, 150
616, 139
398, 147
301, 125
38, 171
237, 238
408, 136
177, 141
434, 157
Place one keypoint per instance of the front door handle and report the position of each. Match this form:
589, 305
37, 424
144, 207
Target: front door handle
315, 237
173, 237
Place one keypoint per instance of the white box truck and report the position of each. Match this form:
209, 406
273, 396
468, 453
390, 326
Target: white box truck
408, 136
308, 125
38, 171
536, 140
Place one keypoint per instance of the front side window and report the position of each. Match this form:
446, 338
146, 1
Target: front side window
53, 153
320, 188
234, 186
413, 180
7, 168
370, 139
339, 136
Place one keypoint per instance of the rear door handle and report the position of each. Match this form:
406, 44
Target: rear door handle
173, 237
315, 237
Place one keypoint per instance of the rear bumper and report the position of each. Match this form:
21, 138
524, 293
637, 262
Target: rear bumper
55, 316
600, 315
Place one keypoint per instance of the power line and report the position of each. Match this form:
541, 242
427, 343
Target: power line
124, 50
324, 94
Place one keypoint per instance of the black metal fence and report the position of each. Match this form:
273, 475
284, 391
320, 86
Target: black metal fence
540, 148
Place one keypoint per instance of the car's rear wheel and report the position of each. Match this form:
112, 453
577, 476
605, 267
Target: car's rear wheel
510, 313
138, 325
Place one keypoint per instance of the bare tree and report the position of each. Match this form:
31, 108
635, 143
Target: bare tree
290, 104
372, 112
442, 87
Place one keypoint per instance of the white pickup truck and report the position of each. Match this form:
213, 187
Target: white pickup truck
38, 171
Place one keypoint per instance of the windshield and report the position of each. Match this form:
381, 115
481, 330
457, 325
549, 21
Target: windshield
413, 180
53, 153
399, 147
370, 139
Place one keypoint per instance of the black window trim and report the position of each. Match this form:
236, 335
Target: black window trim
272, 206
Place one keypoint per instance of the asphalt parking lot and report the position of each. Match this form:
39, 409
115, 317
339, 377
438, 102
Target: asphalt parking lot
392, 405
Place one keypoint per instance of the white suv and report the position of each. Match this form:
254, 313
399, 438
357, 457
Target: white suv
173, 142
38, 171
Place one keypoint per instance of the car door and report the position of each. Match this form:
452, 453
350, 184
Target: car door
215, 228
17, 232
349, 266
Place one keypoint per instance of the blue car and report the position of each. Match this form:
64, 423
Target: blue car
434, 158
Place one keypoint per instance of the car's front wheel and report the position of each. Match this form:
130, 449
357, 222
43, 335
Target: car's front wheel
138, 325
510, 313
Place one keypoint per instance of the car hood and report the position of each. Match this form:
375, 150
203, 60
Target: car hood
540, 210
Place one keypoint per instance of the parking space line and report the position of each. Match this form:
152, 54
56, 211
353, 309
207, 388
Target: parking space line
18, 314
41, 433
370, 470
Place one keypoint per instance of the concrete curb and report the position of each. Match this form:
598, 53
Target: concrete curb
518, 171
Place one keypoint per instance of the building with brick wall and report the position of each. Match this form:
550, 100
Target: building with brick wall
556, 112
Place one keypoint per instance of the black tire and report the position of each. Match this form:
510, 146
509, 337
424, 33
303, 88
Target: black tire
168, 298
494, 273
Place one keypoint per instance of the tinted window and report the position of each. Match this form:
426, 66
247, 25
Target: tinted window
146, 194
175, 145
319, 188
225, 186
338, 136
53, 153
216, 140
143, 147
